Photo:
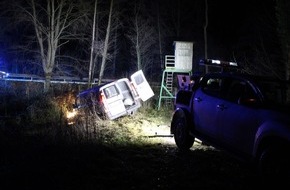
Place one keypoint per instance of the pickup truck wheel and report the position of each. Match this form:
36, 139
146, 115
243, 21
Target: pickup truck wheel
181, 133
274, 165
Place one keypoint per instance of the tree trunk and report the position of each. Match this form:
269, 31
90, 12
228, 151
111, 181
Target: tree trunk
92, 48
47, 82
159, 38
288, 65
205, 34
139, 62
138, 51
104, 56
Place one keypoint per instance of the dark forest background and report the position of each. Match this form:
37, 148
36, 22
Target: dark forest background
56, 37
254, 34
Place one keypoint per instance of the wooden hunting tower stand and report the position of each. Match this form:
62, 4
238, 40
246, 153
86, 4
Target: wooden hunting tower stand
179, 63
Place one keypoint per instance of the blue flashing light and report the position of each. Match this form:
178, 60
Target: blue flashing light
3, 74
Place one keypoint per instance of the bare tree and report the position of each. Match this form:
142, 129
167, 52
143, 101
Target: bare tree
49, 32
105, 26
142, 36
159, 36
54, 23
106, 44
263, 63
283, 15
162, 31
92, 45
205, 33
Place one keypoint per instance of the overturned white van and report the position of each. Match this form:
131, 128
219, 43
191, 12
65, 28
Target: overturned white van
117, 98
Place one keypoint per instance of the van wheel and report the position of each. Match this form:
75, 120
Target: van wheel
133, 113
181, 132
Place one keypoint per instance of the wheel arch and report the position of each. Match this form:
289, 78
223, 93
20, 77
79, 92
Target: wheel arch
269, 134
272, 160
268, 141
180, 112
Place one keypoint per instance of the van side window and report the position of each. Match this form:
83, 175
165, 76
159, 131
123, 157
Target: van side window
139, 79
111, 91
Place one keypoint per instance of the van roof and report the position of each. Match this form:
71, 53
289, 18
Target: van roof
95, 89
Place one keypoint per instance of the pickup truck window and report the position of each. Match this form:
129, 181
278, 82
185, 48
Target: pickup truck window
230, 89
235, 91
241, 93
212, 86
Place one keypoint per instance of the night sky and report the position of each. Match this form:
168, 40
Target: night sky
234, 27
232, 23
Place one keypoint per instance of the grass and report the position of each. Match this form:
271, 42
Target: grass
45, 153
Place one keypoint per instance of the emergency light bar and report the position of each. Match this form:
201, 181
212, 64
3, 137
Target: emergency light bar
217, 63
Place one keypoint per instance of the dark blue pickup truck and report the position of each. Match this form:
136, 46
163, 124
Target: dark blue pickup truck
246, 115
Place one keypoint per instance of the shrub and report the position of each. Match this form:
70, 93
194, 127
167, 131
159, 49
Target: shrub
43, 111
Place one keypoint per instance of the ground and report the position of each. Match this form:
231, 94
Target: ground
147, 159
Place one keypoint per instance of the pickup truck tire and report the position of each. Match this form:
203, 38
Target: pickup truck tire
274, 164
179, 126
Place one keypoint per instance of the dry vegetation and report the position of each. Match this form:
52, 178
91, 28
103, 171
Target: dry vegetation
40, 151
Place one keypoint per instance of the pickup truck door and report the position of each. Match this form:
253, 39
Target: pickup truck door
204, 108
141, 85
238, 130
238, 122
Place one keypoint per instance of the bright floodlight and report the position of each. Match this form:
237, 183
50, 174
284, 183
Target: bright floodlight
216, 61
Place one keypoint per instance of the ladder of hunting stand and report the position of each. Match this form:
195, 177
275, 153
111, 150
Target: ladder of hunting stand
167, 84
